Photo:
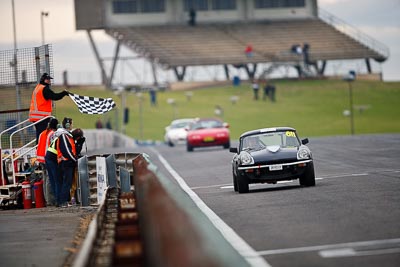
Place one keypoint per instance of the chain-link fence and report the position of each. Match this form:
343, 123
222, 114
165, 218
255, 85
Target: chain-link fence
20, 71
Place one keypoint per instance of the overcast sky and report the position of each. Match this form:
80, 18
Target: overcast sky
72, 51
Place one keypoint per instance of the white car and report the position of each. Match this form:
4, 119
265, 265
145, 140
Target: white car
175, 133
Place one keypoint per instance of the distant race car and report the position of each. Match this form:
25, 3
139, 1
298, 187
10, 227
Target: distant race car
175, 133
207, 132
270, 155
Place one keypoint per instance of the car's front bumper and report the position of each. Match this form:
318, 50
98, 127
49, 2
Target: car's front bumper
276, 171
216, 141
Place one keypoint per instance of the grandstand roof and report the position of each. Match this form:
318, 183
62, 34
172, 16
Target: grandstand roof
215, 44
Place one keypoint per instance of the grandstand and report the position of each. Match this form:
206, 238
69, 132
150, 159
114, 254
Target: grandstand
220, 36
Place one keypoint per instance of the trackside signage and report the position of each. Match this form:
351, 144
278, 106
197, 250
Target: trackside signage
102, 181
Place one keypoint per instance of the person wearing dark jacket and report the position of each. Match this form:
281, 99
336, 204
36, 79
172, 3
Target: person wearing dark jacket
61, 150
77, 134
42, 103
68, 159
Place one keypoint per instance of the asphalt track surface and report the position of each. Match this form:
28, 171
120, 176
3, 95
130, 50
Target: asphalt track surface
350, 218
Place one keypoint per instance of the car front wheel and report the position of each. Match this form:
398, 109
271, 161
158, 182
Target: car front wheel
189, 147
227, 145
308, 177
243, 184
235, 184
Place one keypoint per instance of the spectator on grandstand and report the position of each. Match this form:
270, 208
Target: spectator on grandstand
42, 103
296, 49
256, 88
249, 51
43, 144
192, 17
306, 54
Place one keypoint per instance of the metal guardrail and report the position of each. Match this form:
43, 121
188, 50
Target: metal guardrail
354, 33
172, 229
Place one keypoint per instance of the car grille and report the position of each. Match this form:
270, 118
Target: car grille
287, 172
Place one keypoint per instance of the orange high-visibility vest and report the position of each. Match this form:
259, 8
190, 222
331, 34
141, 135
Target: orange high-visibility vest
40, 106
43, 144
71, 140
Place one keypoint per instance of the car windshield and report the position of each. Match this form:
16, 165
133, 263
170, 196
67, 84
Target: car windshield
179, 125
206, 124
261, 141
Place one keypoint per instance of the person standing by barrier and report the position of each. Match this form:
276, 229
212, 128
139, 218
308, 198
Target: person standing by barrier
44, 139
43, 144
52, 159
42, 103
67, 161
77, 134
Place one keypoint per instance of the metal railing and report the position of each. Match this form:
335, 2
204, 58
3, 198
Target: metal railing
354, 33
20, 151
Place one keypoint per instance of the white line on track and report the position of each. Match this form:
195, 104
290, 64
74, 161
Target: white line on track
349, 252
252, 257
211, 186
230, 186
340, 246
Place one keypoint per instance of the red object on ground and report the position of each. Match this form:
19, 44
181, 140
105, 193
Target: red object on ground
27, 194
39, 194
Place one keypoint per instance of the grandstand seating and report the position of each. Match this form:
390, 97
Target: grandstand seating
214, 44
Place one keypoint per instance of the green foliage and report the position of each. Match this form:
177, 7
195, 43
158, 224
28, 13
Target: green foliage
314, 108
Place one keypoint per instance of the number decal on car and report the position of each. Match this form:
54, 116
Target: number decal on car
290, 134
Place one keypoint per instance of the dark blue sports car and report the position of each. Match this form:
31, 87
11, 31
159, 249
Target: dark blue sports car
270, 155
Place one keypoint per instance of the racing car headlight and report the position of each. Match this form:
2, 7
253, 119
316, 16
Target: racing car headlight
246, 158
303, 154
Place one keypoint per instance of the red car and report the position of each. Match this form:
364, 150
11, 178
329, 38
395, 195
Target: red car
207, 132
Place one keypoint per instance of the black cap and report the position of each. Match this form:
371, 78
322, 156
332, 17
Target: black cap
46, 76
53, 123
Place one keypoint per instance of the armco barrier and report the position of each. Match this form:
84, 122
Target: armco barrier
175, 231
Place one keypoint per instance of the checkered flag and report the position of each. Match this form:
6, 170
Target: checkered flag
92, 105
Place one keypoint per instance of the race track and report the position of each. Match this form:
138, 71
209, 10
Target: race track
350, 218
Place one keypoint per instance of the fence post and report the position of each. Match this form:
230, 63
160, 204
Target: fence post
83, 189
